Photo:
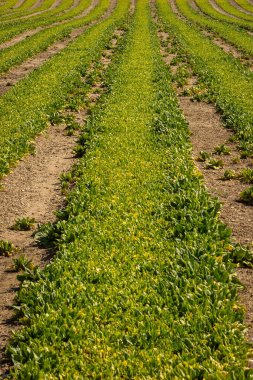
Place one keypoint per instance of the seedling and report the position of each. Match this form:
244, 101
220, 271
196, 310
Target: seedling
236, 160
247, 195
23, 224
229, 174
203, 156
22, 263
247, 175
246, 154
7, 248
214, 164
222, 150
45, 235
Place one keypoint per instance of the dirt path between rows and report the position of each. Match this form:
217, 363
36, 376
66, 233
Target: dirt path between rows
37, 4
14, 75
18, 4
207, 132
56, 4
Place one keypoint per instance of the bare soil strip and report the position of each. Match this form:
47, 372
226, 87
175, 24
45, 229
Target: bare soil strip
55, 4
195, 6
243, 10
220, 10
32, 32
15, 74
33, 190
37, 4
207, 132
18, 4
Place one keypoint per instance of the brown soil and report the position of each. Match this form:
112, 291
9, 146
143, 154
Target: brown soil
241, 9
18, 73
220, 10
37, 4
33, 190
194, 6
74, 5
207, 132
18, 4
55, 4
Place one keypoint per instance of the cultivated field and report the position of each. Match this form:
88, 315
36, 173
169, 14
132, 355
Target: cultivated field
126, 199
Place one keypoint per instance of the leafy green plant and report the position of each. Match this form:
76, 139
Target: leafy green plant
7, 248
22, 263
23, 224
230, 174
247, 195
236, 160
246, 175
222, 150
203, 156
214, 163
45, 235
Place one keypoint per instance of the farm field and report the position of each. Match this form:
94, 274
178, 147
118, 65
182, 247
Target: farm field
126, 173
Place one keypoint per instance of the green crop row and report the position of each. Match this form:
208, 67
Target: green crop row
19, 12
142, 285
206, 7
230, 33
229, 83
231, 9
9, 29
14, 14
31, 46
26, 108
245, 4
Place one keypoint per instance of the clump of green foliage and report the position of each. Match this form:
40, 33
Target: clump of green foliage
23, 224
7, 248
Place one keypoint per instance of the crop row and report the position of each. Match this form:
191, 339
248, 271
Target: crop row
33, 45
142, 284
230, 33
26, 9
26, 108
206, 7
229, 83
233, 10
11, 28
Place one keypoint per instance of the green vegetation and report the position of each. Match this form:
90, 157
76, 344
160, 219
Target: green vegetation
206, 7
31, 46
7, 248
246, 175
230, 86
23, 224
22, 263
222, 150
230, 33
247, 195
26, 109
214, 163
142, 284
229, 174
